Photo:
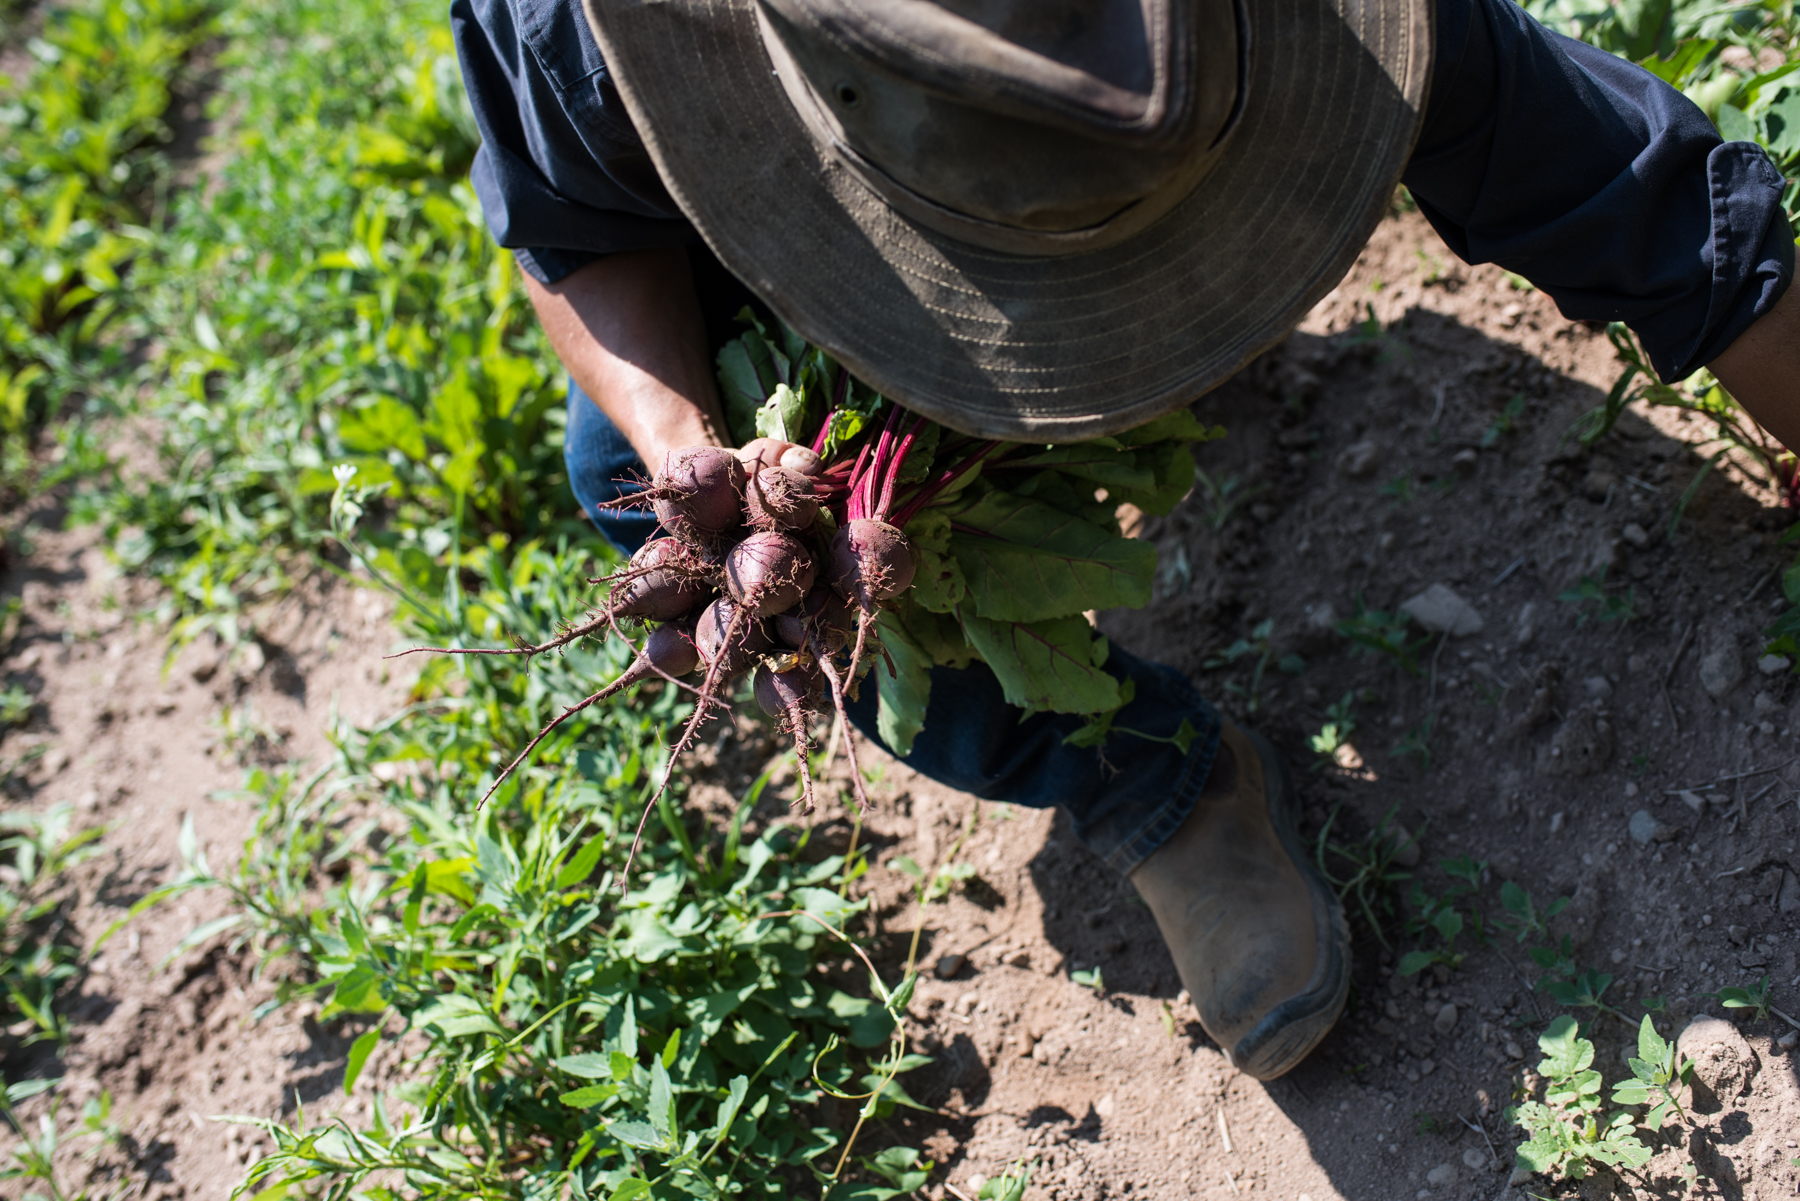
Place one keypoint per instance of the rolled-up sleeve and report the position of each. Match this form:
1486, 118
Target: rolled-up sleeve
562, 175
1601, 184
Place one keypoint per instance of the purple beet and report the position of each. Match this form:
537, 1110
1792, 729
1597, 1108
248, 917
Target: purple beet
776, 498
698, 494
725, 620
769, 572
871, 562
791, 697
666, 580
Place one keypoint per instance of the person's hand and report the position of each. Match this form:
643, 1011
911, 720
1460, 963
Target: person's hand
759, 453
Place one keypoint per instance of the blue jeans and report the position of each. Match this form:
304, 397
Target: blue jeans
1123, 806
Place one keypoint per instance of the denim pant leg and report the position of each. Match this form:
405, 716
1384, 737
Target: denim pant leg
601, 464
1124, 799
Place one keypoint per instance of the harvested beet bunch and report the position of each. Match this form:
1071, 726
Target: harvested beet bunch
880, 543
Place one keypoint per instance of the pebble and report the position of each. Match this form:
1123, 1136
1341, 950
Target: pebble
1442, 1175
1721, 670
1519, 1176
1445, 1021
1788, 899
1442, 611
1599, 688
1773, 665
949, 965
1475, 1159
1645, 829
1514, 1050
1358, 459
1557, 821
1635, 534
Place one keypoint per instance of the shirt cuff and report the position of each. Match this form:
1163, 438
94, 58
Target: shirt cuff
1751, 253
548, 265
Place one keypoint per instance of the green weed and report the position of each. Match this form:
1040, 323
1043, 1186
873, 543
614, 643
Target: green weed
1223, 497
1567, 1132
16, 705
1754, 998
1259, 647
1399, 489
1334, 735
1505, 422
1379, 633
1655, 1078
1441, 916
37, 951
1416, 742
1593, 599
1370, 874
36, 1159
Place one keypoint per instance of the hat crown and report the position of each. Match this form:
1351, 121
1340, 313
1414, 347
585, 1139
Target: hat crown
1032, 126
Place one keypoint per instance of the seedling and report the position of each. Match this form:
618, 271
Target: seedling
1506, 422
1416, 743
36, 1159
1334, 735
1594, 600
1222, 497
1399, 489
1526, 920
1089, 978
1655, 1075
1380, 633
1755, 997
1568, 1133
1446, 922
1010, 1185
1372, 876
15, 705
1258, 645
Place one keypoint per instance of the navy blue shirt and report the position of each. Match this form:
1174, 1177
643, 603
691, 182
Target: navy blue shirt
1592, 178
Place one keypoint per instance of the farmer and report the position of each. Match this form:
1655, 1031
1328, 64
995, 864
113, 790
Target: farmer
1056, 219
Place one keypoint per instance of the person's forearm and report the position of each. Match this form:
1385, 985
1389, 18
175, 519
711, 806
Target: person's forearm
629, 330
1762, 369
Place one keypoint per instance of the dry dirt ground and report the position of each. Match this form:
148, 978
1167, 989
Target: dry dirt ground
1364, 471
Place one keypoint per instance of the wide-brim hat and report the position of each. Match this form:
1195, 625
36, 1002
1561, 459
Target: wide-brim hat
1223, 228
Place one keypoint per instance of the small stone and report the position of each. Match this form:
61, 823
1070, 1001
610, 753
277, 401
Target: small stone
1737, 934
1788, 899
1427, 1067
1519, 1176
1631, 788
1635, 534
1475, 1159
1693, 800
1514, 1050
1445, 1021
966, 1003
1599, 688
1104, 1106
1465, 457
1440, 610
1644, 827
1357, 459
1788, 1041
1765, 702
1721, 670
949, 965
1441, 1176
1557, 821
1773, 665
1020, 958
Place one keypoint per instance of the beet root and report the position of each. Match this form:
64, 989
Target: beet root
791, 697
667, 579
871, 562
698, 494
722, 620
769, 572
776, 498
823, 612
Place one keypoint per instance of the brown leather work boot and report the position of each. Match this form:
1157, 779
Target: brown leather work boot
1258, 937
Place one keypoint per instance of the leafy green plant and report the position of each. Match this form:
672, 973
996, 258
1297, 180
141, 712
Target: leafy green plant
1089, 978
1370, 871
1440, 916
1524, 919
1656, 1078
1379, 633
1010, 1185
1256, 646
1593, 599
1416, 742
37, 954
1222, 497
1754, 998
1334, 736
37, 1159
16, 705
1568, 1133
1505, 422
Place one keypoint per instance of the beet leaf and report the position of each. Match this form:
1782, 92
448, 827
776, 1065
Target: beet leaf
1050, 666
1026, 561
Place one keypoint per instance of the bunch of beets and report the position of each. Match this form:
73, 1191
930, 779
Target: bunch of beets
843, 510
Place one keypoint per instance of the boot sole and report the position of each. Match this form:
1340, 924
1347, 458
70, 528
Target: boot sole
1292, 1029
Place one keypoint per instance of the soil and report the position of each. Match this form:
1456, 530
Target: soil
1373, 461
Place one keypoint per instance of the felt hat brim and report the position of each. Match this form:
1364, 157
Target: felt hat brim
1040, 349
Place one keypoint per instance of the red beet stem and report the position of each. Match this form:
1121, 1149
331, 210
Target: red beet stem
895, 468
927, 493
